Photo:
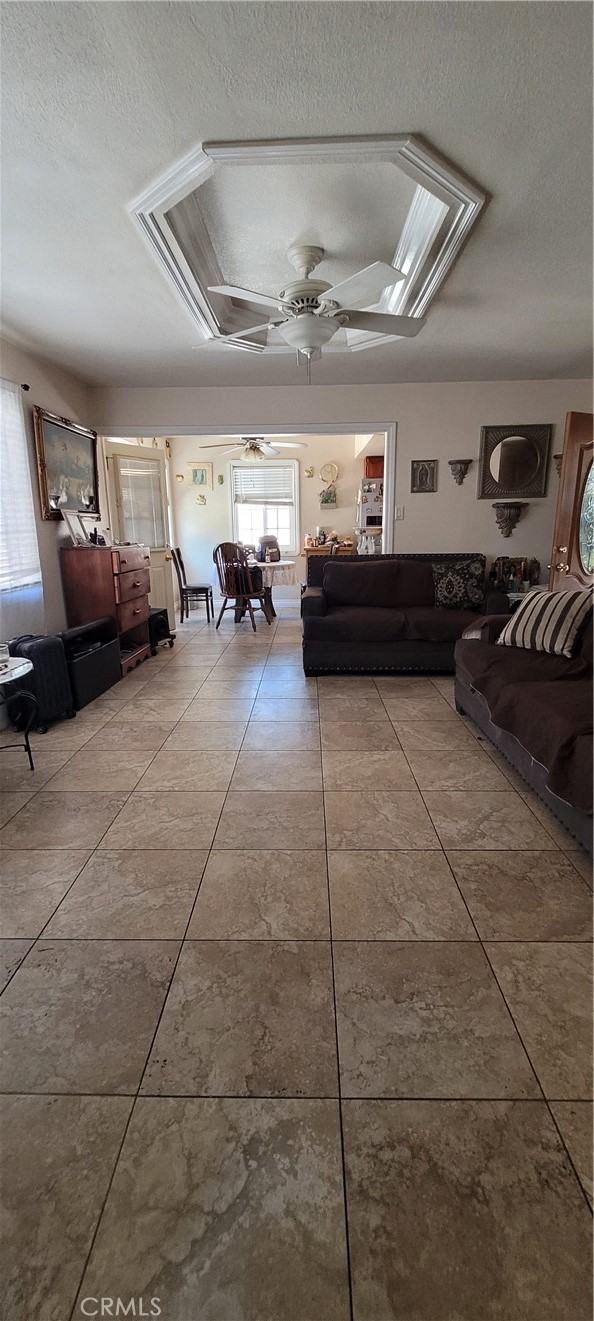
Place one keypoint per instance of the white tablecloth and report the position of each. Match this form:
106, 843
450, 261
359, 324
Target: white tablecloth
281, 573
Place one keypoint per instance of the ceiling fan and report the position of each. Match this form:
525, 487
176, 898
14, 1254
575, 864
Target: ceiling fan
312, 311
257, 447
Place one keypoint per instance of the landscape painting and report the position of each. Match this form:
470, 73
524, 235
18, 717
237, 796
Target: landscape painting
66, 464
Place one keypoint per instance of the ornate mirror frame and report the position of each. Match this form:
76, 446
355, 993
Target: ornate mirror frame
488, 487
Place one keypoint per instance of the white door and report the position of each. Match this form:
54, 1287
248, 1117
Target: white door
137, 487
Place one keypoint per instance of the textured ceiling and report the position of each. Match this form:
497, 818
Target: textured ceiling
99, 99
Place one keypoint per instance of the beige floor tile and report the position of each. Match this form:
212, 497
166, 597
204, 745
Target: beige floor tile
247, 1018
425, 735
553, 827
366, 770
378, 819
256, 895
32, 884
297, 686
582, 863
131, 894
191, 769
519, 895
420, 707
58, 1154
207, 736
100, 772
16, 775
174, 687
292, 820
463, 1209
404, 685
166, 820
360, 707
145, 735
62, 821
395, 895
155, 708
445, 687
484, 820
356, 736
279, 736
11, 803
278, 771
467, 768
346, 685
286, 709
575, 1120
236, 690
12, 953
426, 1020
226, 709
79, 1015
249, 1219
548, 988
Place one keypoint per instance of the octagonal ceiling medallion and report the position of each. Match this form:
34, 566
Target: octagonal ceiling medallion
229, 212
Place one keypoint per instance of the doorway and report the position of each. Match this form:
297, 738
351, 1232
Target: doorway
138, 505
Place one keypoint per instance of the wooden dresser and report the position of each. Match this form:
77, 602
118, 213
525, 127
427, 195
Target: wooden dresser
115, 581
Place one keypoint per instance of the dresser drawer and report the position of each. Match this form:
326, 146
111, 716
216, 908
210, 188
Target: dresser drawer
130, 557
132, 613
133, 584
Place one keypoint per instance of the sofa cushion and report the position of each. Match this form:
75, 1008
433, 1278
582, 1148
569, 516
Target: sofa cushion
553, 721
435, 625
460, 585
379, 582
490, 668
356, 624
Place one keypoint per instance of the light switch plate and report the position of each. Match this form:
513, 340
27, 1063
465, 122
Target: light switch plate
399, 512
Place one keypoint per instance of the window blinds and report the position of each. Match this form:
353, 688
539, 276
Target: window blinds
19, 552
263, 483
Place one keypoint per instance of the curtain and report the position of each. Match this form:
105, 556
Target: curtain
21, 593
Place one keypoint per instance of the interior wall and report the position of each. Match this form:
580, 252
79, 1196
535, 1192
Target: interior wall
199, 528
437, 420
58, 392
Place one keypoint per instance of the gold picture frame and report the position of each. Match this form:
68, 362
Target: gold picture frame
66, 465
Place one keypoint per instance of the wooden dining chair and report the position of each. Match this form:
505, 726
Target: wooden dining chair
189, 592
239, 583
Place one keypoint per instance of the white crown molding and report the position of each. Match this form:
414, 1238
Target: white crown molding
445, 206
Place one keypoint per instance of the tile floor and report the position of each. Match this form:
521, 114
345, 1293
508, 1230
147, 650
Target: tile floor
296, 1007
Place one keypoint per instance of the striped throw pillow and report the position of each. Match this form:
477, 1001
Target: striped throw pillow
548, 621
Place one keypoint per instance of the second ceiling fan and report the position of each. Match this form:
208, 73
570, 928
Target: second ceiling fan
308, 313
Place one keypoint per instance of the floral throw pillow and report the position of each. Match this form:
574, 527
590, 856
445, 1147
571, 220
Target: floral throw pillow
460, 584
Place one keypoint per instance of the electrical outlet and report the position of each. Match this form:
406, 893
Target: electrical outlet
399, 511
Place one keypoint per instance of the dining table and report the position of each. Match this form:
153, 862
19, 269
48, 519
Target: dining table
275, 573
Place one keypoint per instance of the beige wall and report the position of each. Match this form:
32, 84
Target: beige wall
439, 420
58, 392
199, 528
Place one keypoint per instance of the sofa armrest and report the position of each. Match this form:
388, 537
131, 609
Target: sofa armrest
486, 628
313, 603
496, 603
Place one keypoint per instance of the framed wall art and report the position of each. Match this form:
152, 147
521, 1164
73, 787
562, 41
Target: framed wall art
66, 465
423, 476
513, 461
201, 475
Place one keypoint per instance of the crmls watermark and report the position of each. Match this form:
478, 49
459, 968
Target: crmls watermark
136, 1307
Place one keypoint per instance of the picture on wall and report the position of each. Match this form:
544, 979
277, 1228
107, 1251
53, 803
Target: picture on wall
201, 475
423, 476
66, 465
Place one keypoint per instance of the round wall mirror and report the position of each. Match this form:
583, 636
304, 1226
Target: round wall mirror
514, 462
586, 534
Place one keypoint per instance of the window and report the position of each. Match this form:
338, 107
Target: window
20, 569
264, 497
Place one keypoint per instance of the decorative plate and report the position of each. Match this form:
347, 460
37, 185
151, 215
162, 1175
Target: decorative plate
329, 472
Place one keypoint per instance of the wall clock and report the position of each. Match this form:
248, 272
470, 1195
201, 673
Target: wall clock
329, 472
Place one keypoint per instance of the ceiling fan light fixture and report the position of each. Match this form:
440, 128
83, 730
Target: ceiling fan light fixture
308, 332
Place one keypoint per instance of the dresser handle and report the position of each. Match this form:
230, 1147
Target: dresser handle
137, 611
137, 583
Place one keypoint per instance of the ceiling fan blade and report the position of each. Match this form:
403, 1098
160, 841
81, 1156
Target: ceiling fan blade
364, 285
382, 324
290, 445
247, 295
223, 446
269, 449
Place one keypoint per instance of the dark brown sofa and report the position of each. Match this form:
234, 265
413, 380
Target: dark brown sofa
377, 614
537, 710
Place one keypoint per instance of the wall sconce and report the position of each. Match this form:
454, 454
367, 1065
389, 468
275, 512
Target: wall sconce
459, 469
179, 477
507, 514
557, 460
